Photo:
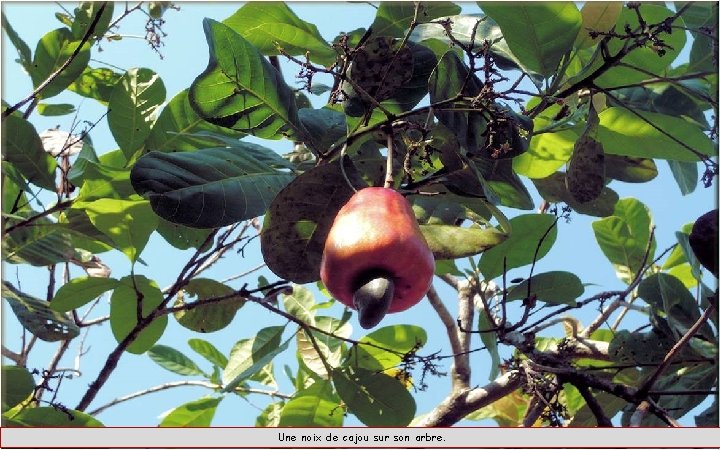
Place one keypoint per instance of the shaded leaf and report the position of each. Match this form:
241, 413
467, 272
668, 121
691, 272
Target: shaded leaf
629, 169
25, 57
61, 109
393, 18
197, 413
299, 219
180, 236
132, 107
375, 398
23, 148
554, 189
52, 51
49, 416
519, 248
241, 90
270, 416
37, 317
553, 288
489, 339
79, 291
451, 242
597, 16
324, 127
685, 174
18, 384
41, 244
173, 360
125, 304
213, 316
208, 188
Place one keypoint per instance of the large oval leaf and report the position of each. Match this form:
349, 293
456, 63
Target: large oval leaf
622, 132
174, 360
18, 385
451, 242
385, 347
315, 406
80, 291
124, 306
132, 108
538, 33
239, 89
52, 51
50, 416
248, 356
22, 147
208, 188
211, 317
299, 220
553, 288
519, 248
36, 316
377, 399
394, 18
197, 413
175, 128
272, 25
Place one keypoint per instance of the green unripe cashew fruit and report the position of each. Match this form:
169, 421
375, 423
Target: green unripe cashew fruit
375, 259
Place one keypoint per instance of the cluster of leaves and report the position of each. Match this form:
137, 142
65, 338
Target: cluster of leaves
606, 104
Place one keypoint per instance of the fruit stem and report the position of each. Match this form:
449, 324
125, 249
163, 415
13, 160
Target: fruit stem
389, 181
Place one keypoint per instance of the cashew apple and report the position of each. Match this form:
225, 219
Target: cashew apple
375, 258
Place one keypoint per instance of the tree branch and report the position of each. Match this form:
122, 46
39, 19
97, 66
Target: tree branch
461, 369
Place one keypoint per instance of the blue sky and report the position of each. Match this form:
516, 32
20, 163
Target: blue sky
185, 56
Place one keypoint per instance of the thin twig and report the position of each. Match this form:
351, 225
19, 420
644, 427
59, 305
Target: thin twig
57, 207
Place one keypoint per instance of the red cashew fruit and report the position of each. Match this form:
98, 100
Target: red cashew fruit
375, 259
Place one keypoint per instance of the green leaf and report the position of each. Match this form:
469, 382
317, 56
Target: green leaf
504, 182
17, 42
37, 317
394, 18
213, 316
385, 347
84, 16
300, 304
553, 288
685, 174
299, 219
132, 108
50, 416
197, 413
645, 58
315, 406
623, 237
597, 16
23, 148
18, 384
375, 398
208, 351
208, 188
177, 126
241, 90
470, 29
630, 170
61, 109
174, 360
623, 133
272, 25
96, 83
554, 189
519, 249
128, 223
102, 182
546, 153
42, 244
180, 236
270, 416
124, 308
538, 33
668, 294
332, 348
489, 339
451, 242
324, 127
79, 291
52, 51
250, 355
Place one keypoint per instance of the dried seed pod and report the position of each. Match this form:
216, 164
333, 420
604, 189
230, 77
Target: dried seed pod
585, 177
